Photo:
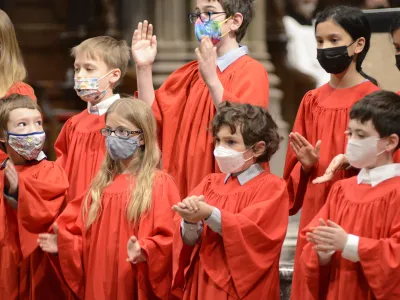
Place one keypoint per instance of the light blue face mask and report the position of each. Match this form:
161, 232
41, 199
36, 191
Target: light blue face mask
120, 149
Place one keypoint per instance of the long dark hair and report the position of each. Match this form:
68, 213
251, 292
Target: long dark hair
354, 22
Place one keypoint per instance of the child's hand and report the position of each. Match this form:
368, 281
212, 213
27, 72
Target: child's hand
339, 161
207, 58
193, 209
306, 154
48, 241
11, 182
330, 238
135, 253
144, 45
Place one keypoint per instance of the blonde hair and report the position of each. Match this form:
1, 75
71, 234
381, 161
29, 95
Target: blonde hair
12, 68
7, 105
143, 166
115, 54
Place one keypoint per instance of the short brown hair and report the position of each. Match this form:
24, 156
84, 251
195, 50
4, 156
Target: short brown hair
115, 54
245, 7
8, 104
255, 124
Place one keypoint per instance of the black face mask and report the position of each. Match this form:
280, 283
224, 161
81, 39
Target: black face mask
334, 60
398, 61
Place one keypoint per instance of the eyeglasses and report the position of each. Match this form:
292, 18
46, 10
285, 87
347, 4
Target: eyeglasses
204, 16
120, 132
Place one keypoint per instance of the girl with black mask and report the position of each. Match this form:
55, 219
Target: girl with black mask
343, 39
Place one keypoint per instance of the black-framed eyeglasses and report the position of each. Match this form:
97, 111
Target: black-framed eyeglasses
120, 132
204, 16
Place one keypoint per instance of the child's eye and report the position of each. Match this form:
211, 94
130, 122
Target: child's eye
21, 124
231, 142
39, 123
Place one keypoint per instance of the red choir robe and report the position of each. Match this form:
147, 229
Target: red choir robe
184, 110
243, 263
21, 89
323, 115
373, 214
93, 261
26, 272
80, 150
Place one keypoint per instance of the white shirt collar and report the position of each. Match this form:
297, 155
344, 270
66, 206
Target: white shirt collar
377, 175
247, 175
102, 107
229, 58
41, 156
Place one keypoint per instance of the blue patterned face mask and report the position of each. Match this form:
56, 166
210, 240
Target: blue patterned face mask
210, 28
88, 88
120, 149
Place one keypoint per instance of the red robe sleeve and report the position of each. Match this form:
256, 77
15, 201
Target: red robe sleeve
22, 88
380, 260
62, 143
70, 247
40, 199
295, 178
156, 241
253, 86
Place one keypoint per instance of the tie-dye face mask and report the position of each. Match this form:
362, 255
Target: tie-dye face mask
211, 28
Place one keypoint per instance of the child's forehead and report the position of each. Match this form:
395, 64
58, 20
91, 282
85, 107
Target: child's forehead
203, 4
23, 113
367, 126
89, 57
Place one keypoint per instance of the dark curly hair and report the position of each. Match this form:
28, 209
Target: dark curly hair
255, 124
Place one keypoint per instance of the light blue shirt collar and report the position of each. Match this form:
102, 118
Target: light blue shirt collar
229, 58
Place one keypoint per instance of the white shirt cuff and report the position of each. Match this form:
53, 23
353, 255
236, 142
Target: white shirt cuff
191, 232
214, 221
350, 250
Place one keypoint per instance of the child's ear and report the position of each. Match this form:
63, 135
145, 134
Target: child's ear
259, 149
2, 138
141, 140
360, 44
116, 75
237, 21
393, 142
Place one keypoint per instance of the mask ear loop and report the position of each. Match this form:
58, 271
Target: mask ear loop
223, 22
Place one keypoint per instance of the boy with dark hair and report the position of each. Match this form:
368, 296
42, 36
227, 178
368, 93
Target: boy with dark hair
353, 249
233, 224
186, 103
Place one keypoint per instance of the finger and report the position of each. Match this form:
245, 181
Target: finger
150, 32
198, 54
333, 224
302, 140
44, 236
154, 42
324, 248
133, 239
318, 147
194, 204
322, 179
182, 205
144, 29
201, 198
295, 148
322, 240
135, 37
140, 30
322, 222
55, 228
295, 140
322, 233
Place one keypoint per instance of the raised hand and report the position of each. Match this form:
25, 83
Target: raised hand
144, 45
48, 242
11, 182
207, 58
339, 161
135, 253
306, 154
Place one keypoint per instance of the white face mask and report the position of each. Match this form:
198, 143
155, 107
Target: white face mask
229, 161
363, 153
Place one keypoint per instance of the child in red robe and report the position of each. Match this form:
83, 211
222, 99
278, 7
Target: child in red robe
100, 64
353, 249
343, 37
33, 193
186, 102
233, 224
129, 199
